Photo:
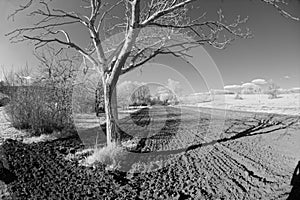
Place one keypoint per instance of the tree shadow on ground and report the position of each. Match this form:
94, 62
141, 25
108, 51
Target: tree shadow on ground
253, 127
256, 126
295, 182
238, 128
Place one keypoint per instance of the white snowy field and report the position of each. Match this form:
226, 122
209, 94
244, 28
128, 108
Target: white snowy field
288, 104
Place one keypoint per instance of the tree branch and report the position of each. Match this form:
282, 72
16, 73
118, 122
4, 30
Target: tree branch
18, 32
20, 9
163, 12
69, 44
279, 9
163, 50
106, 13
130, 39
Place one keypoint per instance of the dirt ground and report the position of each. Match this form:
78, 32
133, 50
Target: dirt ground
193, 154
256, 159
7, 132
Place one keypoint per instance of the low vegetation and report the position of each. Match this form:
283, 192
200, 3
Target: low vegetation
39, 110
40, 101
108, 155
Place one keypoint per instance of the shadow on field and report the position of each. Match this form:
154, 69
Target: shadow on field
148, 147
295, 182
251, 128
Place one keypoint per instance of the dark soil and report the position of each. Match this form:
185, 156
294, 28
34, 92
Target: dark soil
237, 167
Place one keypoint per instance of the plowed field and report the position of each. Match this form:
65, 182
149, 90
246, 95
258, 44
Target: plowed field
185, 154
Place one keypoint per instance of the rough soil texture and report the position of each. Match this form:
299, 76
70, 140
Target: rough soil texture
251, 156
6, 132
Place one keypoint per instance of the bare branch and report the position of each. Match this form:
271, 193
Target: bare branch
18, 32
216, 24
66, 35
279, 9
69, 44
163, 12
20, 9
106, 13
178, 50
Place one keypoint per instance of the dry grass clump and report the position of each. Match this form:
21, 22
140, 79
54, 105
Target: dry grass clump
108, 155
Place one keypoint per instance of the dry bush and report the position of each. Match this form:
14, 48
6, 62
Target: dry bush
41, 99
108, 155
39, 109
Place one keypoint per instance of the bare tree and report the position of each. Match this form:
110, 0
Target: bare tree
141, 95
125, 91
148, 28
175, 87
273, 90
56, 68
56, 73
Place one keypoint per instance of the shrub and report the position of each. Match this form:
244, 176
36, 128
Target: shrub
40, 109
108, 155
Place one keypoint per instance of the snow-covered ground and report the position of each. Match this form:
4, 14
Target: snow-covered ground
288, 104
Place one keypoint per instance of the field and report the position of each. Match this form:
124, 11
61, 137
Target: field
288, 104
181, 153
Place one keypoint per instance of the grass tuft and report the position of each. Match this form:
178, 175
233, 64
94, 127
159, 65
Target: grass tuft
108, 155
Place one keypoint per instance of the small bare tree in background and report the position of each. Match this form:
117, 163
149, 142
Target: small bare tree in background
56, 73
140, 96
147, 28
272, 90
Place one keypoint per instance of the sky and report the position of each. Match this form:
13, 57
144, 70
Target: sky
273, 53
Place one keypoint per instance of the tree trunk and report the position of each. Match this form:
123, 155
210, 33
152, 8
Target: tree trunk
111, 113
